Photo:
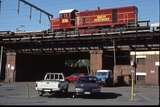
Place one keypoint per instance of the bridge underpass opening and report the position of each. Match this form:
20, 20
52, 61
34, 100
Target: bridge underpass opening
31, 67
119, 69
76, 63
122, 58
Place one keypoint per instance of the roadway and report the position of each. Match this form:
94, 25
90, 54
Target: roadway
23, 93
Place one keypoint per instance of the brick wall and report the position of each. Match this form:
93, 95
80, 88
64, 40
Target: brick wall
152, 77
148, 66
10, 67
122, 74
95, 61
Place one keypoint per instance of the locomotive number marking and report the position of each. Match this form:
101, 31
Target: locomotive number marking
65, 21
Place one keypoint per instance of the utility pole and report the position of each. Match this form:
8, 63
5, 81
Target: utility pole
114, 50
134, 63
132, 86
1, 60
0, 6
135, 59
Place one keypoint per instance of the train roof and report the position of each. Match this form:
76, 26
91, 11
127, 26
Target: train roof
155, 24
108, 9
66, 11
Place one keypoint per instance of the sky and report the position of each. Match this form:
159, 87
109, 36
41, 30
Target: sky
11, 21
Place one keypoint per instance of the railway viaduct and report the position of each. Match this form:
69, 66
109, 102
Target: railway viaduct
95, 45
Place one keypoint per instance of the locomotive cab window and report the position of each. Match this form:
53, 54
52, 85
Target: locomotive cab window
65, 15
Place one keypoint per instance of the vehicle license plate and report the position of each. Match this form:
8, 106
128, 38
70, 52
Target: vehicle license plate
87, 92
47, 90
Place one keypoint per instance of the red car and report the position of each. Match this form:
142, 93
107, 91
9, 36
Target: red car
74, 77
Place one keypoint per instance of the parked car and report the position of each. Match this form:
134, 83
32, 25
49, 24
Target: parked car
104, 77
86, 85
74, 77
53, 82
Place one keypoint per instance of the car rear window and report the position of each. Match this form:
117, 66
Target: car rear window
87, 79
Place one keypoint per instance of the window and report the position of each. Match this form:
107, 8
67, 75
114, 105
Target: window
140, 60
52, 76
60, 77
64, 15
83, 20
56, 77
140, 77
87, 80
47, 77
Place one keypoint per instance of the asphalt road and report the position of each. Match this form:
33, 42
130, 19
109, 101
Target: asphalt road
23, 93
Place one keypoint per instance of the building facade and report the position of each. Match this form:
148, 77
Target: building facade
144, 63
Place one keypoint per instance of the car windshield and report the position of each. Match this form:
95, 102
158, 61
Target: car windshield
102, 73
87, 80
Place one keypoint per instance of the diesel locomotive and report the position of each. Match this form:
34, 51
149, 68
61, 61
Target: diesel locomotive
91, 21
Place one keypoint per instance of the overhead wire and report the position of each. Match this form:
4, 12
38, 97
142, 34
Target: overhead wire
0, 5
35, 7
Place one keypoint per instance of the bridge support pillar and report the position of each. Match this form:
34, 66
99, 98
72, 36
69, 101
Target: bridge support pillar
10, 67
95, 61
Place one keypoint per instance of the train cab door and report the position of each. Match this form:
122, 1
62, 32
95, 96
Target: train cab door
114, 16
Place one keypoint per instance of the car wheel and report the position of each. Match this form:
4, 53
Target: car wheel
65, 90
74, 96
40, 93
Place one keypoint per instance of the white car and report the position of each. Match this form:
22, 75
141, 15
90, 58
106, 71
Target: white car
52, 83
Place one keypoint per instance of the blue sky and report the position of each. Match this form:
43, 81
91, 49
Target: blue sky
10, 20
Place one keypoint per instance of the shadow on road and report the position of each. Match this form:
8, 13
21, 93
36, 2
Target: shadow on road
102, 95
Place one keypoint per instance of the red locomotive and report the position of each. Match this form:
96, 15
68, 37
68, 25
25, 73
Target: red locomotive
94, 20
